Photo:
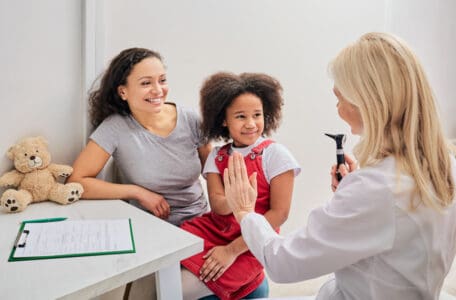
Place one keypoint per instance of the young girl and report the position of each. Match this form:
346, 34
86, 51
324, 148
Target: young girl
242, 108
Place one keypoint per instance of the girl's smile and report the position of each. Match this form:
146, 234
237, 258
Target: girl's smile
245, 120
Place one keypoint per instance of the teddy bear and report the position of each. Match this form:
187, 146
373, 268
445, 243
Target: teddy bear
35, 177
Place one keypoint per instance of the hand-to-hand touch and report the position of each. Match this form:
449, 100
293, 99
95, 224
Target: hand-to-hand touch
240, 190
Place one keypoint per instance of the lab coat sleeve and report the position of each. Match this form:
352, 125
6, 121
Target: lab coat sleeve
356, 223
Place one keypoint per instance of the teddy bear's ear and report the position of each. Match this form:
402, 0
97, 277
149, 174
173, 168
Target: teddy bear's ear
10, 152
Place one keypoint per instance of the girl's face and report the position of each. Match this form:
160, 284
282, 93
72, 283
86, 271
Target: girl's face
146, 88
349, 113
245, 120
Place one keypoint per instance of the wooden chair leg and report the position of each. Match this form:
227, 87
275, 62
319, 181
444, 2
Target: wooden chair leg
127, 291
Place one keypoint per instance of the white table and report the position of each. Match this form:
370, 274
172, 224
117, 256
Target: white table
160, 247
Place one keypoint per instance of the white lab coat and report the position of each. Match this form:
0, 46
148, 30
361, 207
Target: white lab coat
376, 247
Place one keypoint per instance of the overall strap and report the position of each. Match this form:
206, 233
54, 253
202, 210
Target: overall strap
258, 150
223, 153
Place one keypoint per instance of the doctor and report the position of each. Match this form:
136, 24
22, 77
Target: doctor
389, 232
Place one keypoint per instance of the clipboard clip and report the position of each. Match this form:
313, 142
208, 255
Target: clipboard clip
21, 238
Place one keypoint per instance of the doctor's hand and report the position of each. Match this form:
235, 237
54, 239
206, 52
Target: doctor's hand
349, 166
240, 190
217, 261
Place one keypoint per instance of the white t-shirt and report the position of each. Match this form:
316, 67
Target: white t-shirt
276, 160
377, 248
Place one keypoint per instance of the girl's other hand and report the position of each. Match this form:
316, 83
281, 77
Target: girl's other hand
217, 261
349, 166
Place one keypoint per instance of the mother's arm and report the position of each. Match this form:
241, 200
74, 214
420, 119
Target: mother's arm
91, 161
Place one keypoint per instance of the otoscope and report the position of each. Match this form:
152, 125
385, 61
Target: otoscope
340, 141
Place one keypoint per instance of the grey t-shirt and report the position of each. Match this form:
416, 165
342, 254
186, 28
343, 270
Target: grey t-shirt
169, 166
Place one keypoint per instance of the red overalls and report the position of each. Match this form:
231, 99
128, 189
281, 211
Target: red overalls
246, 273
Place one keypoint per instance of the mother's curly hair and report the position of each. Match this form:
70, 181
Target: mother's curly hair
219, 91
105, 100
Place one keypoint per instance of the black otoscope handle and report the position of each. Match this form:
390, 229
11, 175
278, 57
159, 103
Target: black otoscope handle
340, 161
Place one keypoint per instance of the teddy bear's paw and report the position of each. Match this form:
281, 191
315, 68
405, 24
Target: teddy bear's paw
64, 175
10, 205
74, 195
15, 201
66, 194
74, 192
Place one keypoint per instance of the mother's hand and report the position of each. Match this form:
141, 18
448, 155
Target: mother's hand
240, 190
153, 202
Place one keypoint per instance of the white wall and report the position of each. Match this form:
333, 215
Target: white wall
430, 28
40, 77
293, 40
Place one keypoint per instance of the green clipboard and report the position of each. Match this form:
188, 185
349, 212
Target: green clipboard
61, 238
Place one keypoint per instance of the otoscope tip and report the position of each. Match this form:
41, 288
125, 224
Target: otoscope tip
339, 138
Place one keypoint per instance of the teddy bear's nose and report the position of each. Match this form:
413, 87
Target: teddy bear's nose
32, 157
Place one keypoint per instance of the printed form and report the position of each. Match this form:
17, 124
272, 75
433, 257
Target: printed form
73, 237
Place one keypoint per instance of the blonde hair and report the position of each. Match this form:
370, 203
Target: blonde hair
382, 77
